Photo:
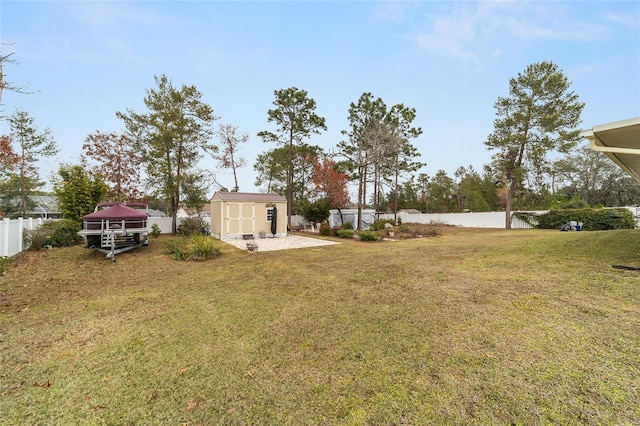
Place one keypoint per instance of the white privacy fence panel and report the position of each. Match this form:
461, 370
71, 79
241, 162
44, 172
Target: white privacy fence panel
11, 231
468, 220
164, 223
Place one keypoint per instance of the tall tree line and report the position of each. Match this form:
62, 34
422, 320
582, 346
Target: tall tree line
165, 144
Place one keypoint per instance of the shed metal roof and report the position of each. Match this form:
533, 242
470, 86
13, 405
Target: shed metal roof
620, 141
249, 197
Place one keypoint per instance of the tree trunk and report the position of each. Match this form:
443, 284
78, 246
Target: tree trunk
340, 213
23, 189
174, 215
235, 177
395, 198
176, 193
509, 196
290, 180
360, 195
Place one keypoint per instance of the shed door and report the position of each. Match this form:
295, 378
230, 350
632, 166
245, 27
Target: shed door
240, 218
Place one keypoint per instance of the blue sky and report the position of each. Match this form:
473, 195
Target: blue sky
85, 60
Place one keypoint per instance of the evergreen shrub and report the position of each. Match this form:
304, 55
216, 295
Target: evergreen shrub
57, 233
369, 236
155, 230
345, 233
592, 219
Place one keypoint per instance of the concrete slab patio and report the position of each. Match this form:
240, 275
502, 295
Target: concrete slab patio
283, 243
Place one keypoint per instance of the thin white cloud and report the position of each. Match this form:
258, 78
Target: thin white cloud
456, 30
108, 15
113, 31
444, 45
629, 20
535, 28
469, 31
393, 11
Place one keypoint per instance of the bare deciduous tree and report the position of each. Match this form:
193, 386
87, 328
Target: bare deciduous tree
231, 140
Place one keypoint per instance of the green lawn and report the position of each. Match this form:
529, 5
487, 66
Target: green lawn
470, 327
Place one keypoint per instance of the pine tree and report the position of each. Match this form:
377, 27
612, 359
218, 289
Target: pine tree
540, 115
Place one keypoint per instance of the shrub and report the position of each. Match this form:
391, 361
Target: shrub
193, 226
155, 230
345, 233
369, 236
347, 225
34, 239
63, 233
316, 212
57, 233
325, 230
194, 247
381, 224
592, 219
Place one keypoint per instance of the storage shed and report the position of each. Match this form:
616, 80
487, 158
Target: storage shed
238, 215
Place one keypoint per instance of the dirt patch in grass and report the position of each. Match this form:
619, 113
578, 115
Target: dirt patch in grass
470, 327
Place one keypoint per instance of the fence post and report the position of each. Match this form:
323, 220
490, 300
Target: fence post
4, 241
20, 231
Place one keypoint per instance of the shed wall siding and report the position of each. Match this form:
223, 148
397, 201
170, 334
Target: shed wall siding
231, 219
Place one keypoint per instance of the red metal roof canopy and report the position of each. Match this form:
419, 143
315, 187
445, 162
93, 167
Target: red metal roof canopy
117, 212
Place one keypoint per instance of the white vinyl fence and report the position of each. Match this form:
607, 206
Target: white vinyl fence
11, 234
467, 220
482, 219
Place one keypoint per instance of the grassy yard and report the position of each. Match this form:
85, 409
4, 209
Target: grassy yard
470, 327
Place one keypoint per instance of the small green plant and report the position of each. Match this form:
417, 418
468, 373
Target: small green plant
347, 225
4, 264
369, 236
193, 247
174, 247
345, 233
155, 230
